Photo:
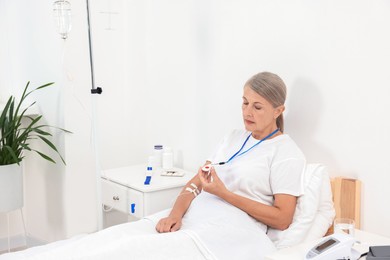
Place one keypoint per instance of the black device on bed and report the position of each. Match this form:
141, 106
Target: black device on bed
379, 253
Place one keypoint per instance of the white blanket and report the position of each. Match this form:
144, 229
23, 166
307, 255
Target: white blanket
227, 231
135, 240
217, 230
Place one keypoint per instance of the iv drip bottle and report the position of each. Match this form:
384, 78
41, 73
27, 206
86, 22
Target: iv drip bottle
167, 158
157, 153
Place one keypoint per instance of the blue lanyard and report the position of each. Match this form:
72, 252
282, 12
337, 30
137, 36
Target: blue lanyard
246, 140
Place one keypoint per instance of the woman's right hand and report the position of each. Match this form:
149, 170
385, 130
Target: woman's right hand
168, 224
173, 222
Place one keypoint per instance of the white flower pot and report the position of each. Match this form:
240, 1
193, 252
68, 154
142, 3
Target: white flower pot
11, 187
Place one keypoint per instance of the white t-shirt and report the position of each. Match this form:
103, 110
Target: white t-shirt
274, 166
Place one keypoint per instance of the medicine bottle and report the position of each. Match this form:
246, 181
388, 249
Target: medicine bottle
157, 153
167, 158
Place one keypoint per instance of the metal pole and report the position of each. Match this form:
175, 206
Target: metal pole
95, 90
90, 47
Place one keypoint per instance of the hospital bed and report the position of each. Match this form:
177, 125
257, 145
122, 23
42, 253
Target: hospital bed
323, 200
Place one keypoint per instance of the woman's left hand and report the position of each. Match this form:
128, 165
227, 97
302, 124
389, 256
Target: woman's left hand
211, 183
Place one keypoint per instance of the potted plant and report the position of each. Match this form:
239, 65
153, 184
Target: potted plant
15, 139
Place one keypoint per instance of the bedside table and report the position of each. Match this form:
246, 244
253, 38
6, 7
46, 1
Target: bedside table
123, 189
299, 251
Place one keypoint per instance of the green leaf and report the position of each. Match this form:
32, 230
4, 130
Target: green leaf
41, 132
52, 146
5, 111
48, 143
12, 153
45, 156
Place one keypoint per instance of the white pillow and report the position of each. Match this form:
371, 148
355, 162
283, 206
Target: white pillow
306, 210
325, 213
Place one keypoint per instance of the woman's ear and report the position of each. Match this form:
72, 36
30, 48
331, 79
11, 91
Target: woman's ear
278, 111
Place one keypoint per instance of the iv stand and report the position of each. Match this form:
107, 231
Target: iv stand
95, 90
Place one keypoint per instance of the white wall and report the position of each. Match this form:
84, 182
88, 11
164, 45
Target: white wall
29, 55
172, 73
59, 201
186, 62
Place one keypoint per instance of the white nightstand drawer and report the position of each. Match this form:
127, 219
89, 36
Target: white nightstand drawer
114, 195
160, 200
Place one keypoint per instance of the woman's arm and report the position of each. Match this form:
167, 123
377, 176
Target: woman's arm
182, 203
278, 216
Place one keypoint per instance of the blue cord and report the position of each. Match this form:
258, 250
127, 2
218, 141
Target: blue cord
246, 140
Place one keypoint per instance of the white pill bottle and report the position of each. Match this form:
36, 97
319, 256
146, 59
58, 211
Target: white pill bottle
167, 158
157, 154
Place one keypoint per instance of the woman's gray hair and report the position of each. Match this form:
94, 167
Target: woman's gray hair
271, 87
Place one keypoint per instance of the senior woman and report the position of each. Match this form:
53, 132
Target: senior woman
253, 182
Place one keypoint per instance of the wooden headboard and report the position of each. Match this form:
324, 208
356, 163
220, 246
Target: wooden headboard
346, 198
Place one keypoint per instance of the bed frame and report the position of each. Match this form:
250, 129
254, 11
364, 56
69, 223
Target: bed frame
346, 198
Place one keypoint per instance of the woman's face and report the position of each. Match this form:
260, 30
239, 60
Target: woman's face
258, 114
